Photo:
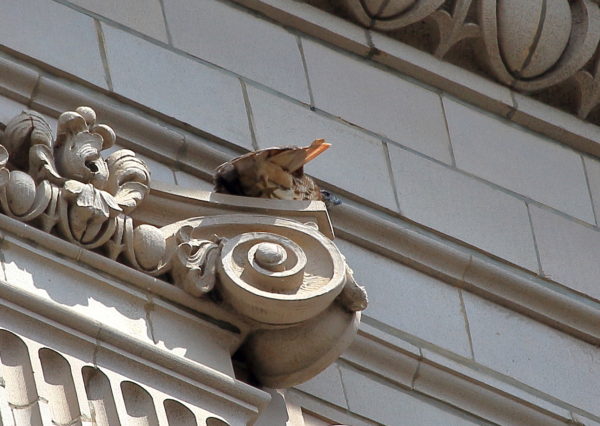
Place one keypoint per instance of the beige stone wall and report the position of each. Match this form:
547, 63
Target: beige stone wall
439, 344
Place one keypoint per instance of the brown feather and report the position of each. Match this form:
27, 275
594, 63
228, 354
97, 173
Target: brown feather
271, 173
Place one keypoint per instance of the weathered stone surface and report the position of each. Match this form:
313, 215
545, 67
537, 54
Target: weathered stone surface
327, 385
145, 17
592, 167
53, 34
375, 99
523, 162
240, 42
386, 404
463, 207
177, 86
410, 301
568, 251
534, 354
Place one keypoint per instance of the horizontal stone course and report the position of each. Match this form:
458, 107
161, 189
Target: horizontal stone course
569, 251
17, 80
377, 100
408, 300
143, 16
391, 406
327, 385
176, 86
463, 208
53, 34
356, 162
592, 167
240, 42
534, 354
518, 160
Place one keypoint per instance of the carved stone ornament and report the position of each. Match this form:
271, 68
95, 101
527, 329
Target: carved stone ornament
530, 45
288, 281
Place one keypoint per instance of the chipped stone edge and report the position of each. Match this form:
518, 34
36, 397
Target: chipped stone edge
424, 67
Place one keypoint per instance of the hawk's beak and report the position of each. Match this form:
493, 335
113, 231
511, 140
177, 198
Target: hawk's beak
316, 148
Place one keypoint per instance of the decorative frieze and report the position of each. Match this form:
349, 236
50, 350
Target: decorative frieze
548, 47
284, 278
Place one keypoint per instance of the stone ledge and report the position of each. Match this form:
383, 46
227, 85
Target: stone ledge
223, 387
447, 77
91, 344
546, 301
465, 387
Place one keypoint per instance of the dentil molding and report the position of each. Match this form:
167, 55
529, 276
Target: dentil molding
284, 279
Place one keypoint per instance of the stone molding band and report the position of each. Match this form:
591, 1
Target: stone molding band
530, 46
139, 133
476, 87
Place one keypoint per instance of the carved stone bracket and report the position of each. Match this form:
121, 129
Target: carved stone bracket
531, 46
285, 279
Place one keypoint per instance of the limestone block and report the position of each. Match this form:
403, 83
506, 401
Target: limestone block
472, 211
312, 21
180, 87
568, 251
187, 180
240, 42
534, 354
592, 167
87, 295
410, 301
375, 99
145, 17
327, 385
523, 162
55, 34
386, 404
16, 80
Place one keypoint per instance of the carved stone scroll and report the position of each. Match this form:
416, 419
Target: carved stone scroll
284, 278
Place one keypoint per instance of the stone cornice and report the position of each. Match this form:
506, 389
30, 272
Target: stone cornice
283, 278
448, 261
482, 393
38, 314
567, 310
521, 291
449, 73
529, 46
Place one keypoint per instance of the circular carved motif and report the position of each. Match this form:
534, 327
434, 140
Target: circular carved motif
269, 256
272, 270
535, 44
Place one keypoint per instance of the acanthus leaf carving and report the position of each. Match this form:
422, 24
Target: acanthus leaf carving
452, 27
281, 276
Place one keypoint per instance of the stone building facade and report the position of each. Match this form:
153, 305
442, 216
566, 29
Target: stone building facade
466, 153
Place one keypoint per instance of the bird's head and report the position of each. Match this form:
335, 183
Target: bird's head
330, 200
